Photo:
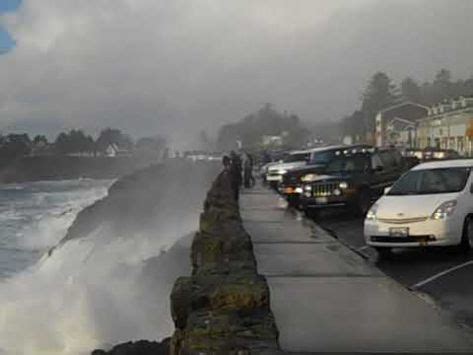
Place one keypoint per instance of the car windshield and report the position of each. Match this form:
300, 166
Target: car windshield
296, 157
431, 181
322, 158
347, 164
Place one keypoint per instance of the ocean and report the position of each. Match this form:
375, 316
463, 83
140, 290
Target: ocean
107, 283
35, 216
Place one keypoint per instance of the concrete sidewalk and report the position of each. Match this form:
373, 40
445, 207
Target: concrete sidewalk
326, 298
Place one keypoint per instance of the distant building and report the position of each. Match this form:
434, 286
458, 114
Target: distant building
396, 125
113, 150
448, 125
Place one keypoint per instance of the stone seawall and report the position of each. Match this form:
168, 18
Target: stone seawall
223, 307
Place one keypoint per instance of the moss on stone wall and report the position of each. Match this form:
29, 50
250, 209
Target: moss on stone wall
224, 306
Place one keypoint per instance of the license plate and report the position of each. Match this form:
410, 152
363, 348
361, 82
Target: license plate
399, 232
321, 200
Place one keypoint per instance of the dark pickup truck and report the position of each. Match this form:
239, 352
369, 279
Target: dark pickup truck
291, 184
352, 180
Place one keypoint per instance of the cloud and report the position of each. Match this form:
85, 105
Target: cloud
177, 67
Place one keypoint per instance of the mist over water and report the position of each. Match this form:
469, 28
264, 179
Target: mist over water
111, 284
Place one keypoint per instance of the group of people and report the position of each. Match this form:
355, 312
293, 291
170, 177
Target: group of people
240, 170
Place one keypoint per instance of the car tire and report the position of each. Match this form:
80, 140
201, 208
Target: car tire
363, 203
384, 252
467, 235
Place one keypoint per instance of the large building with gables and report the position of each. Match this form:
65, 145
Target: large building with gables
448, 125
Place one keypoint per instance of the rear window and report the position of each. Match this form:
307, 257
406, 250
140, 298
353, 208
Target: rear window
431, 181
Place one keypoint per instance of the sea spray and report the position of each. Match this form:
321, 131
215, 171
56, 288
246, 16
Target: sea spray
35, 216
112, 283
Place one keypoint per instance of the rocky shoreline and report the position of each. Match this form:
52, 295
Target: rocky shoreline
224, 306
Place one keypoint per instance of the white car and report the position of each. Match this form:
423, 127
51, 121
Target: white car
293, 160
430, 205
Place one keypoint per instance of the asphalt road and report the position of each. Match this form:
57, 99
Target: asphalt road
444, 275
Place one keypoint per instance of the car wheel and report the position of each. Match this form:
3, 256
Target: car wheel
467, 235
363, 203
384, 253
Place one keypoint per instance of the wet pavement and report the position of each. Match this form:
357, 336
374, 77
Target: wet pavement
327, 297
442, 274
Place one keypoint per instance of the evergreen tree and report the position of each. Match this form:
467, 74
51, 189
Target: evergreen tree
110, 136
410, 90
442, 86
380, 93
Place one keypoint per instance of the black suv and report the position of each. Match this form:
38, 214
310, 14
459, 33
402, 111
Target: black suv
352, 180
291, 184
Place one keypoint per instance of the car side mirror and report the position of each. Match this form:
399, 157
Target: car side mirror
471, 188
378, 168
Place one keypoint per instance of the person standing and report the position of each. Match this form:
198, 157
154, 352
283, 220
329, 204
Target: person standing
235, 168
252, 163
248, 179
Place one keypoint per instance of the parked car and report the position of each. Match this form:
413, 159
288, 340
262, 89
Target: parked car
439, 154
352, 180
428, 154
291, 184
292, 160
431, 205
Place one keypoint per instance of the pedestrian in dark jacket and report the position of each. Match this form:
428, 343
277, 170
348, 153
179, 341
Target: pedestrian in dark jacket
235, 168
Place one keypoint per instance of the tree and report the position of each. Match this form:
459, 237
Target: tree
379, 93
150, 147
110, 136
442, 85
410, 90
40, 140
468, 87
265, 122
353, 126
15, 145
75, 141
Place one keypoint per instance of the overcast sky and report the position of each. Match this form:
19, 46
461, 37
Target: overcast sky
176, 67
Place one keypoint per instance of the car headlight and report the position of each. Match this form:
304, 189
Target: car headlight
371, 215
445, 210
343, 185
309, 177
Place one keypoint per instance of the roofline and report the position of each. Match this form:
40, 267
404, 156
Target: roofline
403, 104
402, 120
